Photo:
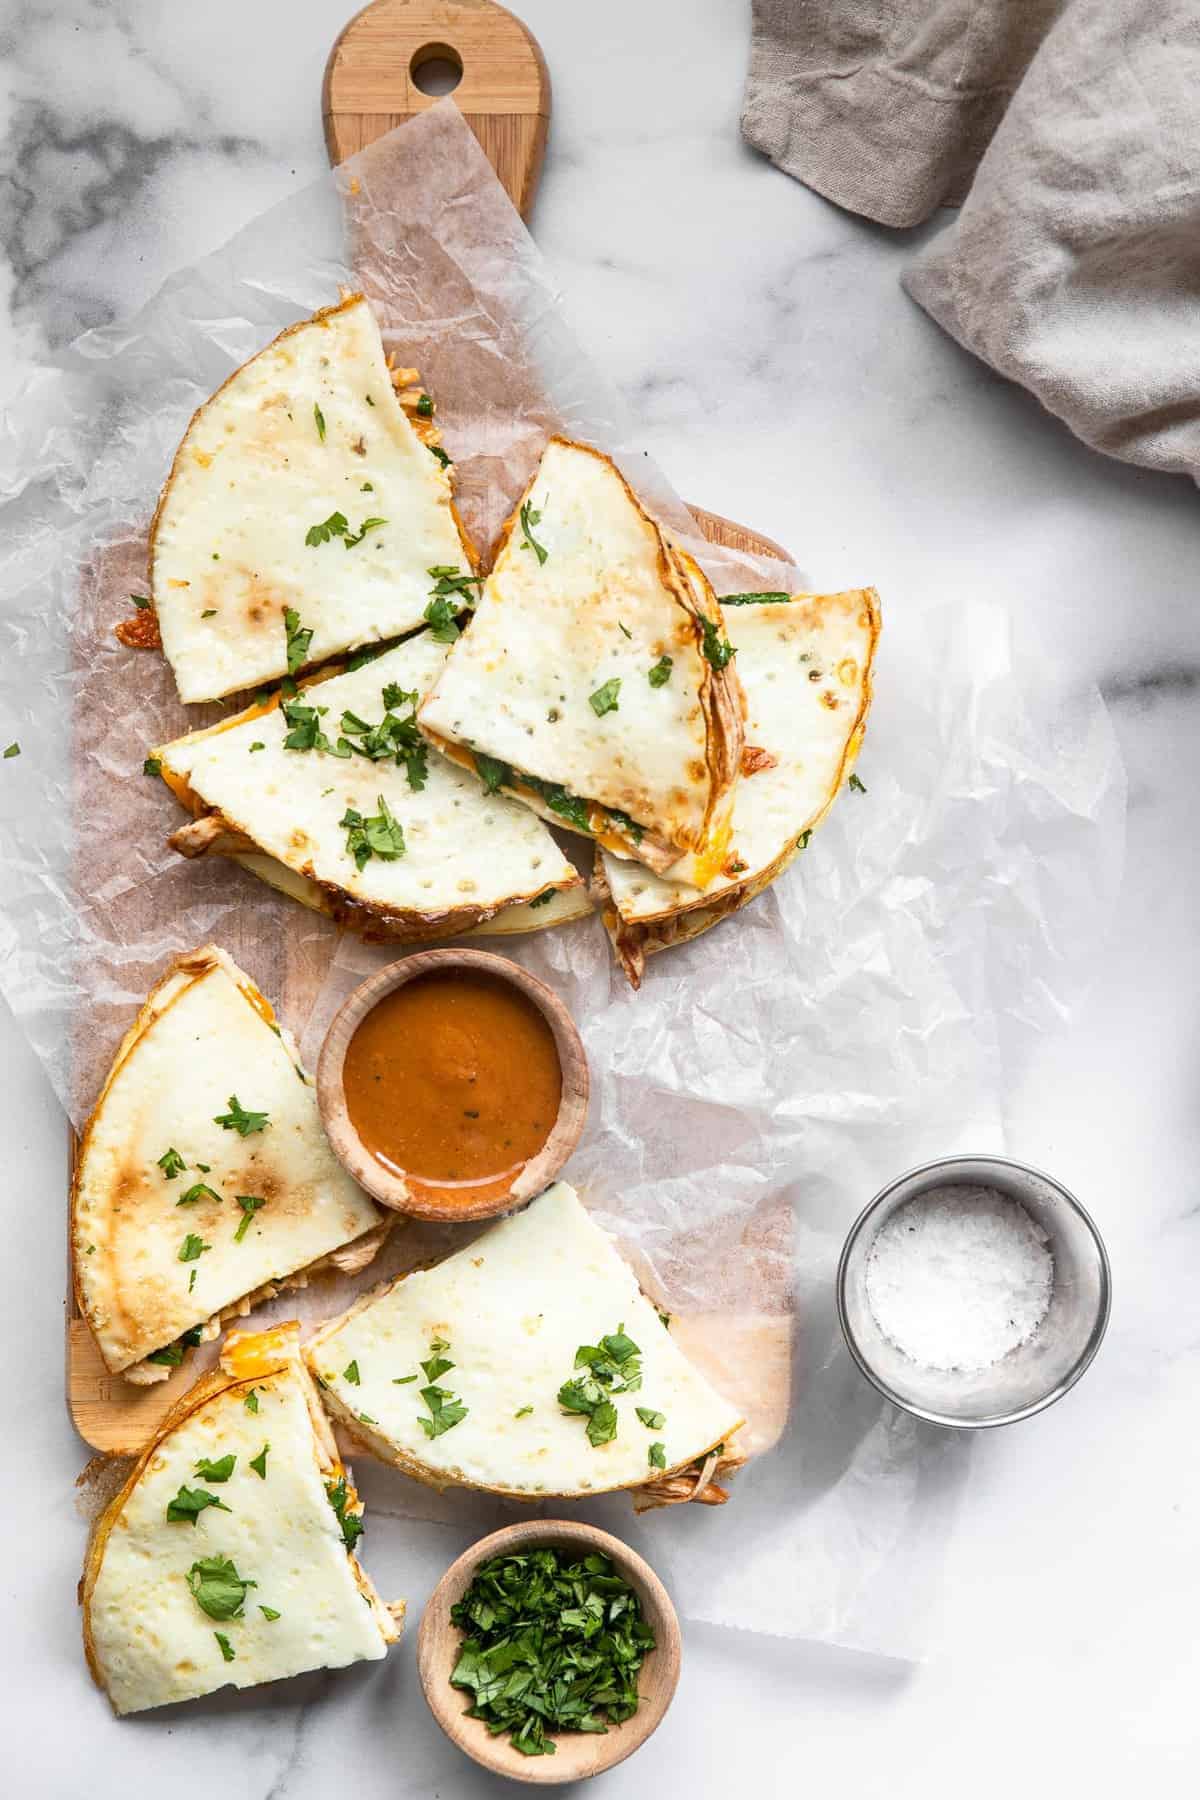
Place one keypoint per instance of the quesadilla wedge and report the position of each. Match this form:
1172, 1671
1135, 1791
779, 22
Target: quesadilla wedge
806, 664
309, 509
334, 796
204, 1179
594, 679
528, 1364
227, 1559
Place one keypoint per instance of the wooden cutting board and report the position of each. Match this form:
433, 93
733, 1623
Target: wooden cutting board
369, 87
503, 94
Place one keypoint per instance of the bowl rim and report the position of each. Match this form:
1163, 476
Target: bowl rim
447, 1704
1095, 1338
392, 1191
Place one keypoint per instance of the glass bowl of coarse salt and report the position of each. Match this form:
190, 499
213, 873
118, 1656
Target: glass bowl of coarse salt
973, 1291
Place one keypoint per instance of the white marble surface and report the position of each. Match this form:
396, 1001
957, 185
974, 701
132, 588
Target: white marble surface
735, 309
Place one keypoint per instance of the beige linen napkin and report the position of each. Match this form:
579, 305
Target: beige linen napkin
1070, 132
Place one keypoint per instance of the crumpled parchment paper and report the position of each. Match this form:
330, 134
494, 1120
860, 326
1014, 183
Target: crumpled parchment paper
870, 1010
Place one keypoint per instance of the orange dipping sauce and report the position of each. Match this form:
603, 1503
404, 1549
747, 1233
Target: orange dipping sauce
453, 1078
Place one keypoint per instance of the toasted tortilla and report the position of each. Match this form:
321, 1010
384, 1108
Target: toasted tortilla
548, 692
148, 1640
514, 1307
806, 668
307, 432
205, 1033
467, 854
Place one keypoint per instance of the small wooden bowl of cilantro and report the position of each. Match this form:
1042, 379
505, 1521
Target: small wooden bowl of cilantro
549, 1652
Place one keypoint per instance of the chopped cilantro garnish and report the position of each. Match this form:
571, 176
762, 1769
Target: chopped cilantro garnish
336, 525
170, 1162
152, 766
239, 1120
394, 737
544, 899
169, 1357
568, 806
338, 1496
350, 1373
226, 1648
250, 1204
660, 674
380, 835
199, 1190
856, 785
523, 1412
269, 1613
803, 840
613, 1367
604, 700
550, 1644
319, 416
718, 651
189, 1503
445, 1408
349, 539
450, 581
220, 1470
493, 773
252, 1400
629, 826
217, 1588
425, 407
436, 450
754, 599
529, 518
443, 627
192, 1248
305, 732
658, 1456
259, 1463
141, 601
366, 655
298, 640
653, 1421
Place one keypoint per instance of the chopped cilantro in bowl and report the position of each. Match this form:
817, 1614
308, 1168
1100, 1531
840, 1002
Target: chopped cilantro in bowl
553, 1641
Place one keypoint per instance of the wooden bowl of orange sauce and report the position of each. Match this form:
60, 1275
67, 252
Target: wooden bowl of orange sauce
453, 1085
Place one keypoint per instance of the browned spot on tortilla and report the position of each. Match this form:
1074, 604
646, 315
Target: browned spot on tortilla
830, 699
359, 446
755, 759
698, 770
298, 839
262, 603
141, 631
848, 671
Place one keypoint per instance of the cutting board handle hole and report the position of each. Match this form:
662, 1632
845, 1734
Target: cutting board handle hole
436, 69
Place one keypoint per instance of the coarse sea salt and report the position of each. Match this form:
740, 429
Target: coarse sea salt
959, 1277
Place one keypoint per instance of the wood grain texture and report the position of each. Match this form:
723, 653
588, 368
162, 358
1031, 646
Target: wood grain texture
504, 93
368, 89
579, 1754
424, 1200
